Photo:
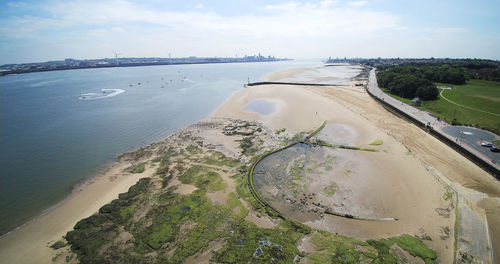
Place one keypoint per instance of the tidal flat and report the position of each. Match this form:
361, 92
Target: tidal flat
197, 208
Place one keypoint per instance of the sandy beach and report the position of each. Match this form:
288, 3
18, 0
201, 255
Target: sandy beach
411, 152
402, 166
394, 173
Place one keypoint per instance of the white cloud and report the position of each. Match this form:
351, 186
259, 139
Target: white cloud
117, 29
98, 32
327, 3
285, 7
27, 26
358, 3
200, 6
450, 30
291, 29
16, 4
290, 19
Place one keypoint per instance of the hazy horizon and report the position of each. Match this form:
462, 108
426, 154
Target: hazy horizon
39, 31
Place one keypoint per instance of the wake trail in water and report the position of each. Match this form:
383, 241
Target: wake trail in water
105, 93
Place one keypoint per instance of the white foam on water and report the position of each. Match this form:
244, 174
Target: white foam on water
105, 93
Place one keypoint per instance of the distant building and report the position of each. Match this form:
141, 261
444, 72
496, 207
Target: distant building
444, 87
416, 101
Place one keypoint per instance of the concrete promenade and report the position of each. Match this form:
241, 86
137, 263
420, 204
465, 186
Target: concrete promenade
426, 118
473, 238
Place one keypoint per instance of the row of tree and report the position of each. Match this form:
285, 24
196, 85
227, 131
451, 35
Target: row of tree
407, 85
443, 73
485, 74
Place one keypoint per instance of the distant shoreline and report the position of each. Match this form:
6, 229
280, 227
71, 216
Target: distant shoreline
132, 64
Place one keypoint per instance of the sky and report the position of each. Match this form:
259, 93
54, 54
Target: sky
44, 30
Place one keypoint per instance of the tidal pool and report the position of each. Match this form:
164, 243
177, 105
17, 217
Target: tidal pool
261, 106
304, 181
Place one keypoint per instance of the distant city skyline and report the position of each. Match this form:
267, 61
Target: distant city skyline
37, 31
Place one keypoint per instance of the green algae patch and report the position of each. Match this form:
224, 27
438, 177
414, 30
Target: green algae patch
167, 220
248, 243
447, 195
377, 142
192, 149
331, 189
234, 203
297, 169
190, 175
58, 244
416, 248
140, 187
137, 168
412, 245
339, 249
219, 159
89, 235
279, 131
244, 192
203, 178
248, 148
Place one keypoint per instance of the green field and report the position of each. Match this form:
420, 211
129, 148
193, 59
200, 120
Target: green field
477, 94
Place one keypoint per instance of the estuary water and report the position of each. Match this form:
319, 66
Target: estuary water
52, 137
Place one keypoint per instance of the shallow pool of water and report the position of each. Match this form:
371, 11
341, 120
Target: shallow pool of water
261, 106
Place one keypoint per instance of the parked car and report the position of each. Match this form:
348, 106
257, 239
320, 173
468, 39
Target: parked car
494, 149
487, 144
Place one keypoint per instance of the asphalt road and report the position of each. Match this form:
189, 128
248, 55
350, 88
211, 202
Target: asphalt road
473, 137
420, 115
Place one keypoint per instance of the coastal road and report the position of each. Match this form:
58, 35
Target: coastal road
469, 143
473, 137
473, 232
422, 116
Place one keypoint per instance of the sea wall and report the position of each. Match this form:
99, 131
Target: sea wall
289, 83
485, 165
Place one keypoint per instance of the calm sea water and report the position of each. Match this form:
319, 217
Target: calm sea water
50, 139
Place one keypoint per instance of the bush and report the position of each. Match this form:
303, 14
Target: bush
58, 244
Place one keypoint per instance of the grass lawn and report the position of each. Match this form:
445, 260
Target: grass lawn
478, 94
402, 99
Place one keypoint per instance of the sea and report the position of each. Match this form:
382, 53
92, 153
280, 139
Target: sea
60, 128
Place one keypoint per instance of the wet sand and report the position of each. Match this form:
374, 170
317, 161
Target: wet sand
406, 189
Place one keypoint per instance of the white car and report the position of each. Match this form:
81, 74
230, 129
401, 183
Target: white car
487, 144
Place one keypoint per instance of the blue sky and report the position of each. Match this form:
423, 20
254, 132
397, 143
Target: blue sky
32, 31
